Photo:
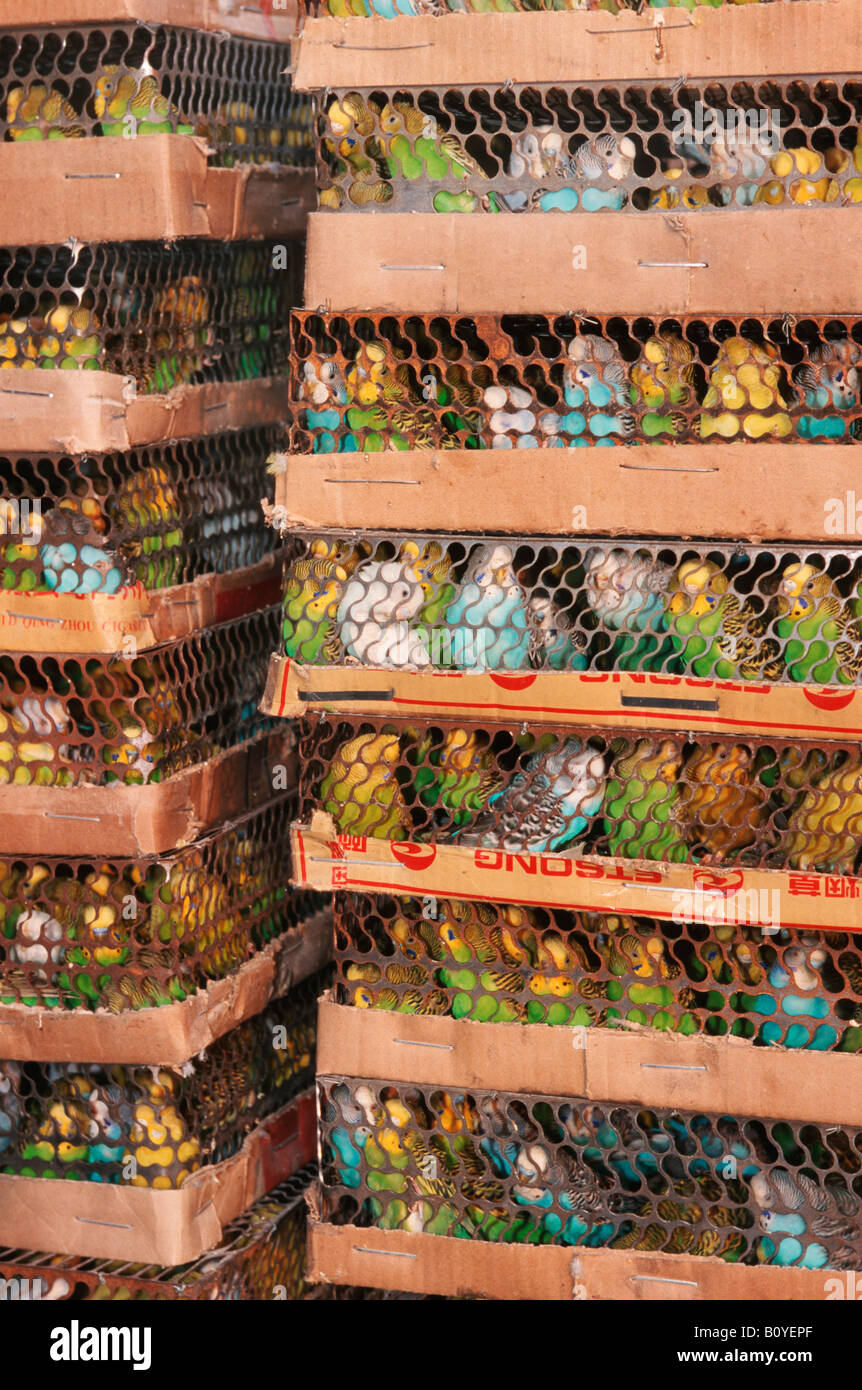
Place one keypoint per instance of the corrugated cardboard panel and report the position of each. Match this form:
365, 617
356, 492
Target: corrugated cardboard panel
132, 821
152, 189
735, 491
748, 40
172, 1035
100, 412
327, 861
444, 1265
448, 1051
615, 699
717, 1075
603, 262
252, 19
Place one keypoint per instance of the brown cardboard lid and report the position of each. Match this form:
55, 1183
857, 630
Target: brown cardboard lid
151, 189
101, 412
145, 1226
327, 861
484, 49
135, 821
446, 1266
89, 623
612, 699
736, 491
635, 1064
607, 262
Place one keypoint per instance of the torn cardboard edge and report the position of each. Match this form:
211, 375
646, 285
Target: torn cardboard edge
735, 491
85, 624
329, 862
637, 1065
154, 188
83, 412
134, 821
587, 46
613, 699
110, 1221
609, 262
172, 1035
250, 19
414, 1262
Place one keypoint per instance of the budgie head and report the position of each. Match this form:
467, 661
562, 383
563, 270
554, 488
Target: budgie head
831, 376
697, 588
596, 368
802, 590
314, 587
113, 86
352, 113
663, 373
621, 585
492, 566
323, 384
431, 564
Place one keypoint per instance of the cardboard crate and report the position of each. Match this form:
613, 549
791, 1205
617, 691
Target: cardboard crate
89, 722
628, 634
145, 1226
103, 932
263, 21
445, 1267
170, 1035
436, 50
146, 544
628, 982
655, 1190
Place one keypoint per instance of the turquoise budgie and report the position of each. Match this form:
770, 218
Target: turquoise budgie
550, 802
488, 620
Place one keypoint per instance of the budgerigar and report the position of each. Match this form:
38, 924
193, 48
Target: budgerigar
662, 380
555, 645
377, 613
314, 585
829, 382
642, 803
825, 827
123, 93
595, 389
721, 803
360, 789
458, 775
41, 113
625, 590
550, 802
822, 641
716, 634
487, 622
745, 393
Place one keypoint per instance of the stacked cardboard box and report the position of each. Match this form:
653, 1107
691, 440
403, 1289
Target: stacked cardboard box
580, 753
158, 974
